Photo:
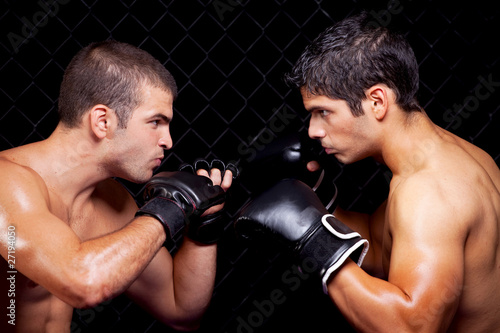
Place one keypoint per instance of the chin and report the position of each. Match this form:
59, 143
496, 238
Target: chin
144, 178
138, 178
346, 159
340, 158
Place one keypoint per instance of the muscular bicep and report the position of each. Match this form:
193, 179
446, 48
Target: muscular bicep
427, 257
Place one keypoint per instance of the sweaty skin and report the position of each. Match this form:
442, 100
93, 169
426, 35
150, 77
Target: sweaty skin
434, 258
77, 242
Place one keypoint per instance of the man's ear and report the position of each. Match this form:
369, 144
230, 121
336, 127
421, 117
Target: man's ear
102, 120
377, 97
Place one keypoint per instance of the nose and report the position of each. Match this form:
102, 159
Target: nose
165, 141
315, 130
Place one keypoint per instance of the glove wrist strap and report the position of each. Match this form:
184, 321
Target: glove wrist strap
166, 211
331, 245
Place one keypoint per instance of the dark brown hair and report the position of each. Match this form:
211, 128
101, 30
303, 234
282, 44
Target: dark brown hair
113, 74
353, 55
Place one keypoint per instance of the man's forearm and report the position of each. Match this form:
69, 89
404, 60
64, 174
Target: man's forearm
107, 265
194, 276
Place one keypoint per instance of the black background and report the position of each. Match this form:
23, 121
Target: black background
228, 58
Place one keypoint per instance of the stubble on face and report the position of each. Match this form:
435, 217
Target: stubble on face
137, 146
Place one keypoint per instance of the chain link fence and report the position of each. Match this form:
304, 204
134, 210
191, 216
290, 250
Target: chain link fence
228, 58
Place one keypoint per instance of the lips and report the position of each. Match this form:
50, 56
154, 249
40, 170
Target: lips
158, 161
328, 150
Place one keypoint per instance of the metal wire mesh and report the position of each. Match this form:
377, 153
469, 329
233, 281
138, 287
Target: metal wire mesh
228, 58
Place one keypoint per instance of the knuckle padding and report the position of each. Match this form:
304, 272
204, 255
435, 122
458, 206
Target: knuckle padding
186, 188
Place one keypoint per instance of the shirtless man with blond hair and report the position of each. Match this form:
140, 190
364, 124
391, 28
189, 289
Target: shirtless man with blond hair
76, 237
433, 263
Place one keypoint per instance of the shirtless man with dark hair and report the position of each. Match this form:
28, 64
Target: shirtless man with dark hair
436, 239
76, 237
433, 263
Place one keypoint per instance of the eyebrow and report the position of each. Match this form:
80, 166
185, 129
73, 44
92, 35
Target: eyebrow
316, 107
162, 117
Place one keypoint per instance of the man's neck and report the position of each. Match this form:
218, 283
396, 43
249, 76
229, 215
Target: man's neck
408, 147
70, 164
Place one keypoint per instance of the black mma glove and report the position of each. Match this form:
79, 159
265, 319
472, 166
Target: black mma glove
292, 213
287, 157
208, 229
174, 198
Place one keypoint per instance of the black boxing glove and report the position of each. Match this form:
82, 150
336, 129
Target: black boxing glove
287, 157
209, 229
173, 198
292, 213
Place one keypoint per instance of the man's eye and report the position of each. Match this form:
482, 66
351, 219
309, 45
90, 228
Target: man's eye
324, 113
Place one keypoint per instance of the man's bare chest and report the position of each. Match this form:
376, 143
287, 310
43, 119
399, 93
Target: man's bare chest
87, 220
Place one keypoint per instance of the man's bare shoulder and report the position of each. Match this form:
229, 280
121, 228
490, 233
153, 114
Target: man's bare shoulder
23, 192
433, 196
475, 157
17, 173
451, 171
427, 185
